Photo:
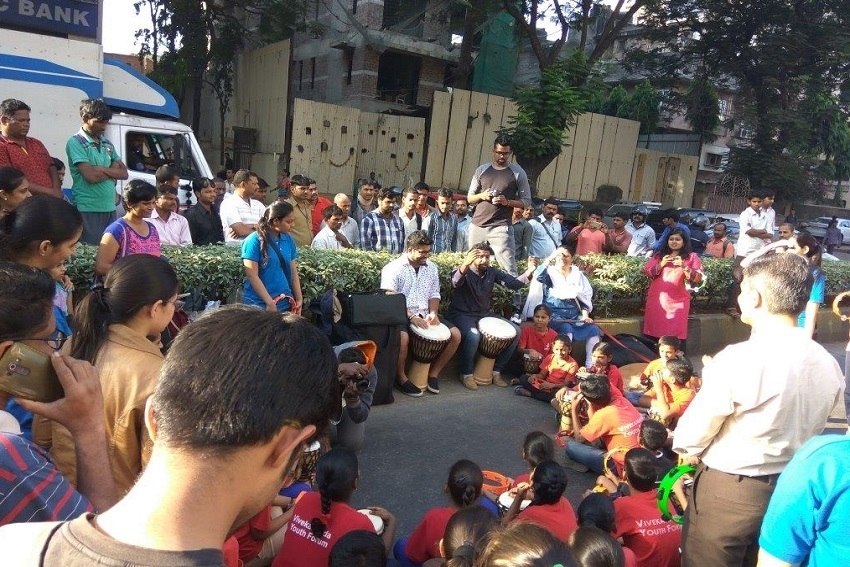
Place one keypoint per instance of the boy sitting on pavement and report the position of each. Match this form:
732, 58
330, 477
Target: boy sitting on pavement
613, 420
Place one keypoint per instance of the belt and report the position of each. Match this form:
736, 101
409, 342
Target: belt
765, 478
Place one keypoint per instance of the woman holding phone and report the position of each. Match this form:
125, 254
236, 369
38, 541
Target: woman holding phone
668, 300
41, 232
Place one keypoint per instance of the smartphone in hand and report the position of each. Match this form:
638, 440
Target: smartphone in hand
28, 374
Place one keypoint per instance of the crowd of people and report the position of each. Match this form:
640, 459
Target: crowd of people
114, 450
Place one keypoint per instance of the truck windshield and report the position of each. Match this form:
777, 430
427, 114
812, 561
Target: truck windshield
150, 150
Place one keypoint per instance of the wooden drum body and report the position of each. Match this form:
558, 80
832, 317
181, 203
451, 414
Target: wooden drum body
496, 335
425, 346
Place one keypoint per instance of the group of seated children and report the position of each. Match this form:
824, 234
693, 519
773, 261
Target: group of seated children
623, 522
663, 390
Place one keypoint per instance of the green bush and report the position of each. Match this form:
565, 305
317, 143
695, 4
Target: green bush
618, 281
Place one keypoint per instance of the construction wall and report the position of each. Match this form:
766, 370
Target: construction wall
663, 177
601, 148
335, 145
262, 81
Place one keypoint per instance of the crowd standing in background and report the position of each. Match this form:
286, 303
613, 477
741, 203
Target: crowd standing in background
143, 455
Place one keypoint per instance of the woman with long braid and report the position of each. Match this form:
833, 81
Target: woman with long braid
320, 518
269, 257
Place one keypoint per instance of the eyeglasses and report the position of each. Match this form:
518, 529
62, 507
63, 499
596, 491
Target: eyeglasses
503, 154
54, 341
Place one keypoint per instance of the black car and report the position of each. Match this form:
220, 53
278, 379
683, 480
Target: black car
572, 208
686, 216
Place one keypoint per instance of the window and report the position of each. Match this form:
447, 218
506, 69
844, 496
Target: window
746, 133
149, 150
713, 160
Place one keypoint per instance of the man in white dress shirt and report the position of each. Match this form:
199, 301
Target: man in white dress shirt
349, 226
330, 237
173, 229
760, 401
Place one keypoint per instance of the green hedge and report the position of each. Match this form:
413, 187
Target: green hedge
618, 281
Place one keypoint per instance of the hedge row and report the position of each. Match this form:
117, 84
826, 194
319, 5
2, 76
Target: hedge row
618, 281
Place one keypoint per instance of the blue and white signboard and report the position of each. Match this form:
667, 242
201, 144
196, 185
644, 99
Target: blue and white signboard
73, 17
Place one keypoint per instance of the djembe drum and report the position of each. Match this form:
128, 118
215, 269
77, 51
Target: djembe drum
531, 365
496, 335
426, 344
307, 466
505, 501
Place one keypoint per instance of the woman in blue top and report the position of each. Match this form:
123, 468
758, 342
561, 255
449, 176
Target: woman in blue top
804, 244
268, 255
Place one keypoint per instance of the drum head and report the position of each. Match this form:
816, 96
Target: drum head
434, 332
496, 327
377, 522
506, 499
312, 447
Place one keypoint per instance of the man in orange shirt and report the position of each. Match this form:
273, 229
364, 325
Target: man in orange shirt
613, 421
24, 153
718, 245
590, 237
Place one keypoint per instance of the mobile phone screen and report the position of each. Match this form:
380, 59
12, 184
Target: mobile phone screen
27, 373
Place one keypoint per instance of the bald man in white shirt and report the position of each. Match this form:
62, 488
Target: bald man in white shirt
760, 401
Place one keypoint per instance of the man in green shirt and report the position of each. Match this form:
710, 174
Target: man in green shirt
95, 167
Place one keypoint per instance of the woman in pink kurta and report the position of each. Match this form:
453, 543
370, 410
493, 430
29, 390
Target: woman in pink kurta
668, 301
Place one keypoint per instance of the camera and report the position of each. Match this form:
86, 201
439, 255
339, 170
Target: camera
353, 354
360, 382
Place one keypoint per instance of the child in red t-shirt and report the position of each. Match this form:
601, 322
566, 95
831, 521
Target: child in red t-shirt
548, 509
535, 340
536, 448
601, 356
669, 347
320, 518
262, 535
654, 541
464, 488
557, 371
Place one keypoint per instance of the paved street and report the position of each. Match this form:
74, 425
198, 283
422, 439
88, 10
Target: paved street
411, 444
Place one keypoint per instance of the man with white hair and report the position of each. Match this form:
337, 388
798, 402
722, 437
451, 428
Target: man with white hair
349, 227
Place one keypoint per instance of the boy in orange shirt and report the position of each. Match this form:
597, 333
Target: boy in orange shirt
668, 349
672, 395
557, 370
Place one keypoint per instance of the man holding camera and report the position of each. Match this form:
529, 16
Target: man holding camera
591, 236
358, 379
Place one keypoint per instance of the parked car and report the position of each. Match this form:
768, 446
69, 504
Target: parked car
627, 208
817, 228
686, 216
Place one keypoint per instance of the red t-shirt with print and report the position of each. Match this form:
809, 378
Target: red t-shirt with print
617, 424
559, 518
424, 542
301, 548
655, 541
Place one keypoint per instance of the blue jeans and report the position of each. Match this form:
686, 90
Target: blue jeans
633, 396
589, 456
470, 338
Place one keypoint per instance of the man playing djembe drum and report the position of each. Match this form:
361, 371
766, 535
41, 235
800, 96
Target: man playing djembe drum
472, 297
412, 275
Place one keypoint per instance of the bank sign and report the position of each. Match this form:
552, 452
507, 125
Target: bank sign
74, 17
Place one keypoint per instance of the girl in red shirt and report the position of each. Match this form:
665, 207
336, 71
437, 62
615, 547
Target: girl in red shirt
548, 509
320, 518
535, 340
601, 357
464, 488
536, 448
557, 370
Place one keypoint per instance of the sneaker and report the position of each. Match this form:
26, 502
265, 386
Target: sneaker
468, 380
574, 465
499, 381
407, 388
433, 385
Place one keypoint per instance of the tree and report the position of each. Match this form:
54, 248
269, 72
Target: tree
188, 38
544, 112
702, 108
777, 57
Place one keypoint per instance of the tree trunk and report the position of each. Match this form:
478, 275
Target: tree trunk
474, 17
534, 167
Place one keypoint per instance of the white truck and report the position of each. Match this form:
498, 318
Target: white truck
52, 75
